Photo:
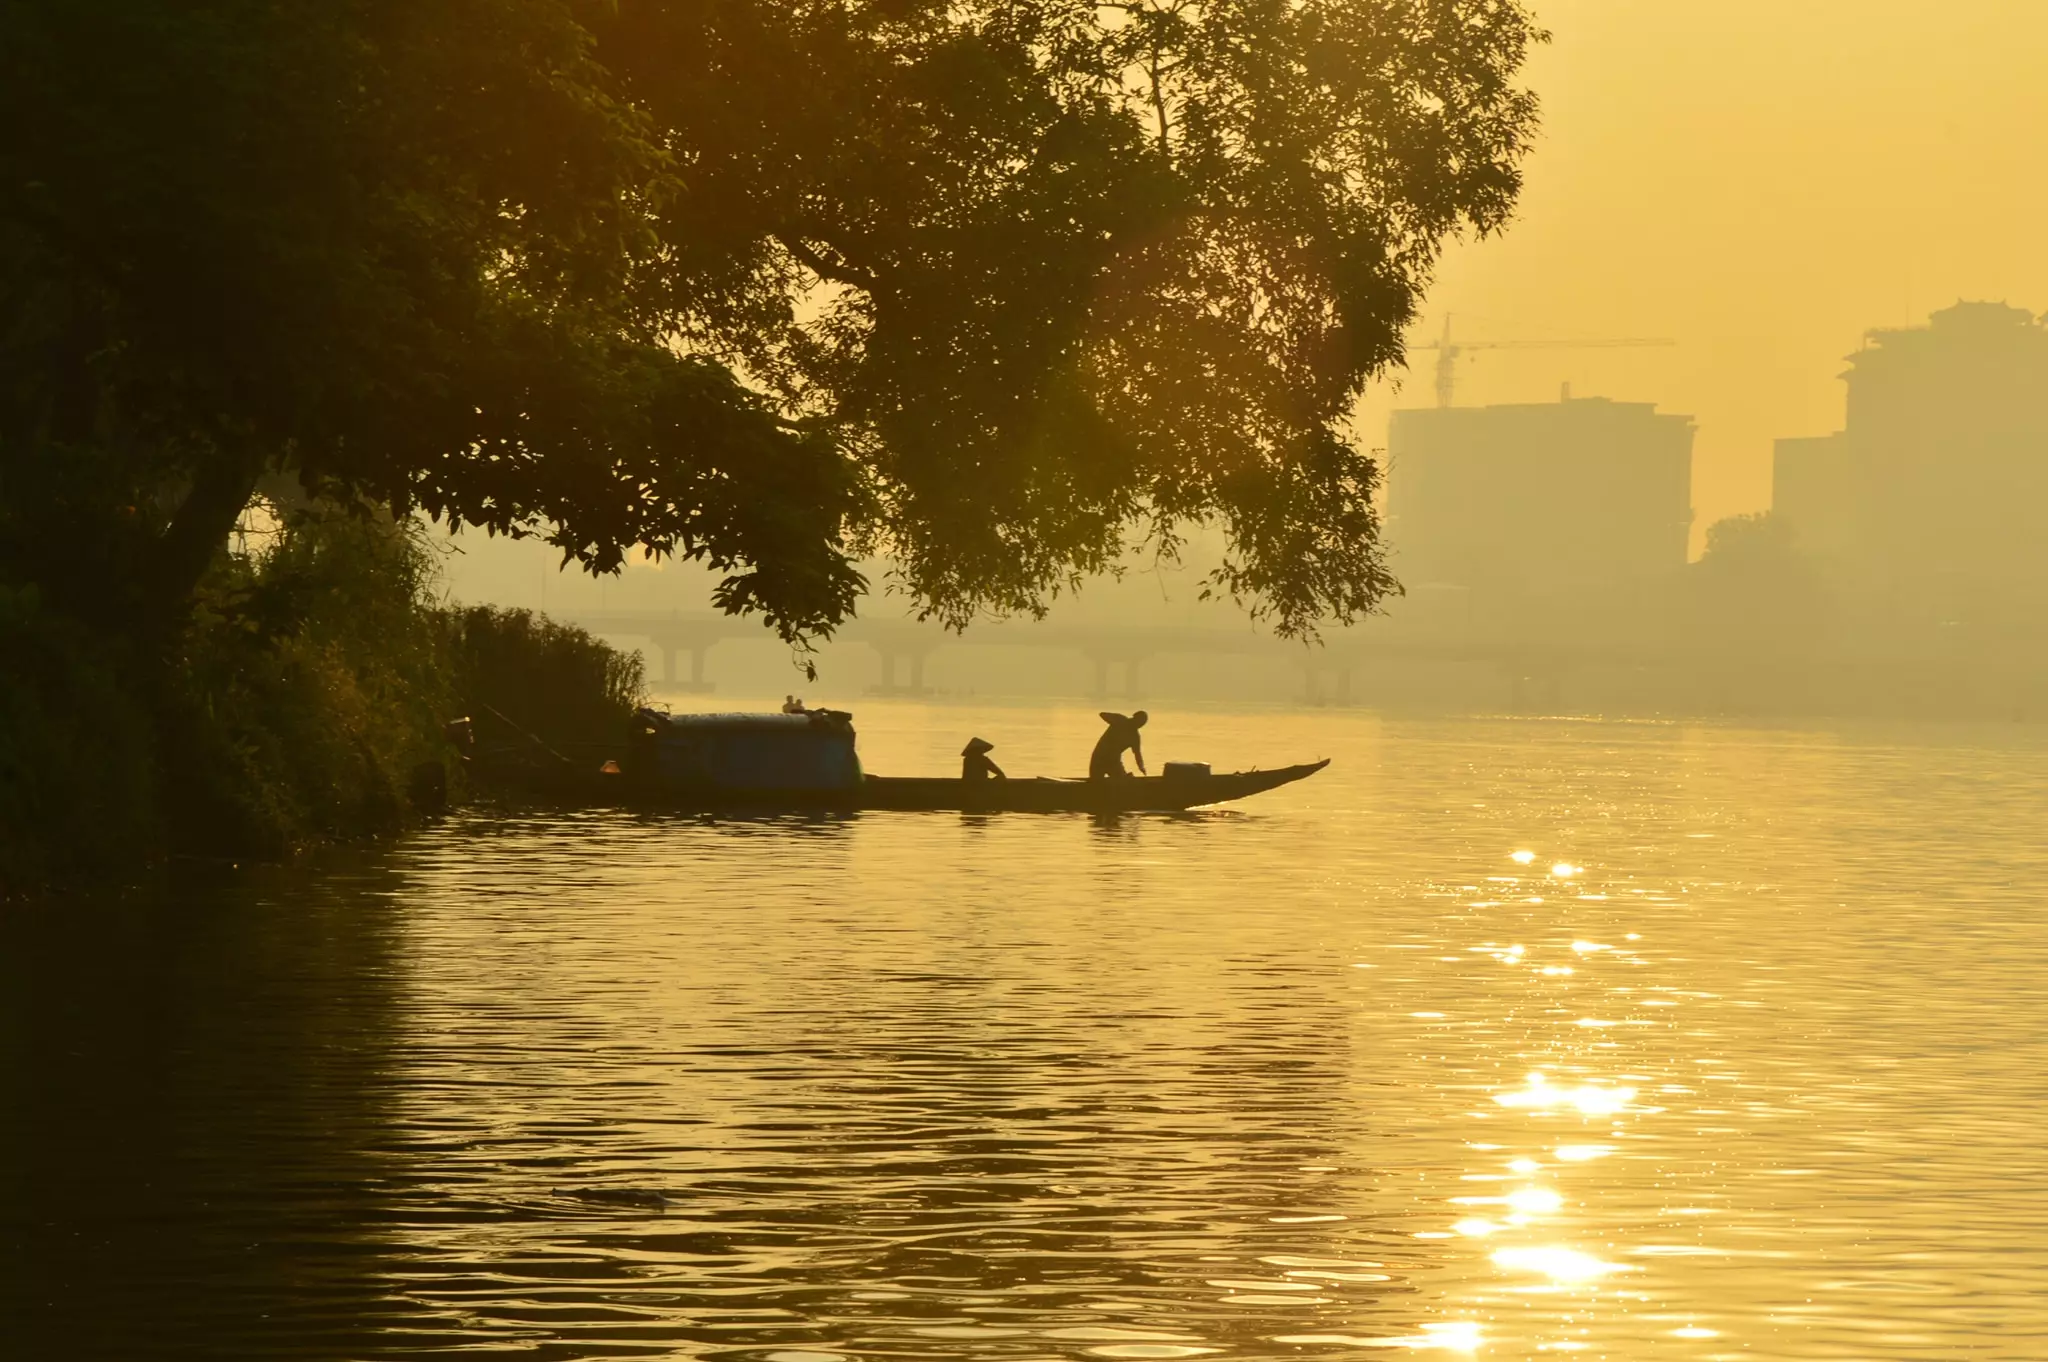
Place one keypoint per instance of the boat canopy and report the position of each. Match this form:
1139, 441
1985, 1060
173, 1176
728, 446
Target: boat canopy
808, 752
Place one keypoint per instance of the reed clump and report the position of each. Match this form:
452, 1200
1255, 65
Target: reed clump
523, 678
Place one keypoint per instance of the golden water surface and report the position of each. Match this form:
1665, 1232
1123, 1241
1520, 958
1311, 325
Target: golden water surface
1499, 1039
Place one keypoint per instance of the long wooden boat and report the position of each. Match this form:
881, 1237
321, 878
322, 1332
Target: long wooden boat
792, 763
1131, 794
907, 794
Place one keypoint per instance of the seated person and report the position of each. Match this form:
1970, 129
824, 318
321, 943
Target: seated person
974, 762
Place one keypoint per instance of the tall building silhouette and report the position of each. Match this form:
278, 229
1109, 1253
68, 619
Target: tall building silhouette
1929, 504
1541, 498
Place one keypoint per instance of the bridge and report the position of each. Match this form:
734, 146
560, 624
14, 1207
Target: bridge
1118, 652
904, 646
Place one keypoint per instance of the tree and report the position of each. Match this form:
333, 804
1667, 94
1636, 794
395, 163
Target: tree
991, 286
1067, 269
389, 246
1755, 588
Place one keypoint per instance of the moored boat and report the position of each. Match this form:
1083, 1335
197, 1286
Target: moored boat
1169, 793
809, 761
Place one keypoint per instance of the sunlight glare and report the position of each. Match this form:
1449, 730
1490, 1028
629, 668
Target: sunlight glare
1535, 1200
1558, 1264
1580, 1153
1586, 1098
1460, 1335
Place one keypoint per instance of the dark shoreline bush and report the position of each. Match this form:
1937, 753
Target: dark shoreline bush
520, 673
77, 765
312, 680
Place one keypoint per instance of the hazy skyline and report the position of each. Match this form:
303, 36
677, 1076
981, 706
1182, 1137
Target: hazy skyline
1763, 183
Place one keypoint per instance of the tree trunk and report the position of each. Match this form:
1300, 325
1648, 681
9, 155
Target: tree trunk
198, 530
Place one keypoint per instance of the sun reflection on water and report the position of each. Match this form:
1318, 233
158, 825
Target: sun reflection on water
1552, 1267
1566, 1266
1586, 1098
1581, 1153
1535, 1200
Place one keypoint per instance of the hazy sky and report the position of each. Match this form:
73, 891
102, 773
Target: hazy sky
1762, 181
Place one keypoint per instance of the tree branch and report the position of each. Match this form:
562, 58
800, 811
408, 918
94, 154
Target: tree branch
838, 271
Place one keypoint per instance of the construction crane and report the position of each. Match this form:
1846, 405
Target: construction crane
1448, 352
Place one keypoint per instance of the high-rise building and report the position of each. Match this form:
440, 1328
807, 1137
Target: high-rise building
1934, 495
1542, 498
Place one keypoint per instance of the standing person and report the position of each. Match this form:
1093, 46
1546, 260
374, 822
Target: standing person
1107, 761
974, 762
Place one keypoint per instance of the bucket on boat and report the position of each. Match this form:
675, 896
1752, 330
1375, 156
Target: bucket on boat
1184, 770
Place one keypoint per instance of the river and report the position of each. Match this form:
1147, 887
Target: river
1500, 1039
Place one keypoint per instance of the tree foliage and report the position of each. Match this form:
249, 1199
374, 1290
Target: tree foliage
994, 287
1754, 583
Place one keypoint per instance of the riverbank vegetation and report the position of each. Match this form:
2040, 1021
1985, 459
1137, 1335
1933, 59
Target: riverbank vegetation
526, 680
312, 681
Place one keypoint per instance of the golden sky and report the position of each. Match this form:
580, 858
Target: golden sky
1762, 181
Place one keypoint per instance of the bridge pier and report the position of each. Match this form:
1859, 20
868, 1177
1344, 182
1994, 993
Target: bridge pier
912, 653
696, 685
695, 637
1106, 659
1339, 669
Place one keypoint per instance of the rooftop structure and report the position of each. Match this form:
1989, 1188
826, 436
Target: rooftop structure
1539, 498
1941, 470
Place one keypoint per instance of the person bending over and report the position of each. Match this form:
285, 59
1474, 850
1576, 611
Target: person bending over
1107, 761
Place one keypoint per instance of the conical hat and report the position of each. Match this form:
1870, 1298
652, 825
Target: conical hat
975, 747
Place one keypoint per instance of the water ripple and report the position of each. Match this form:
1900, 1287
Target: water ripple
1501, 1039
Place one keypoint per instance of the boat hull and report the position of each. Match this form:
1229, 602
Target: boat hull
1128, 794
